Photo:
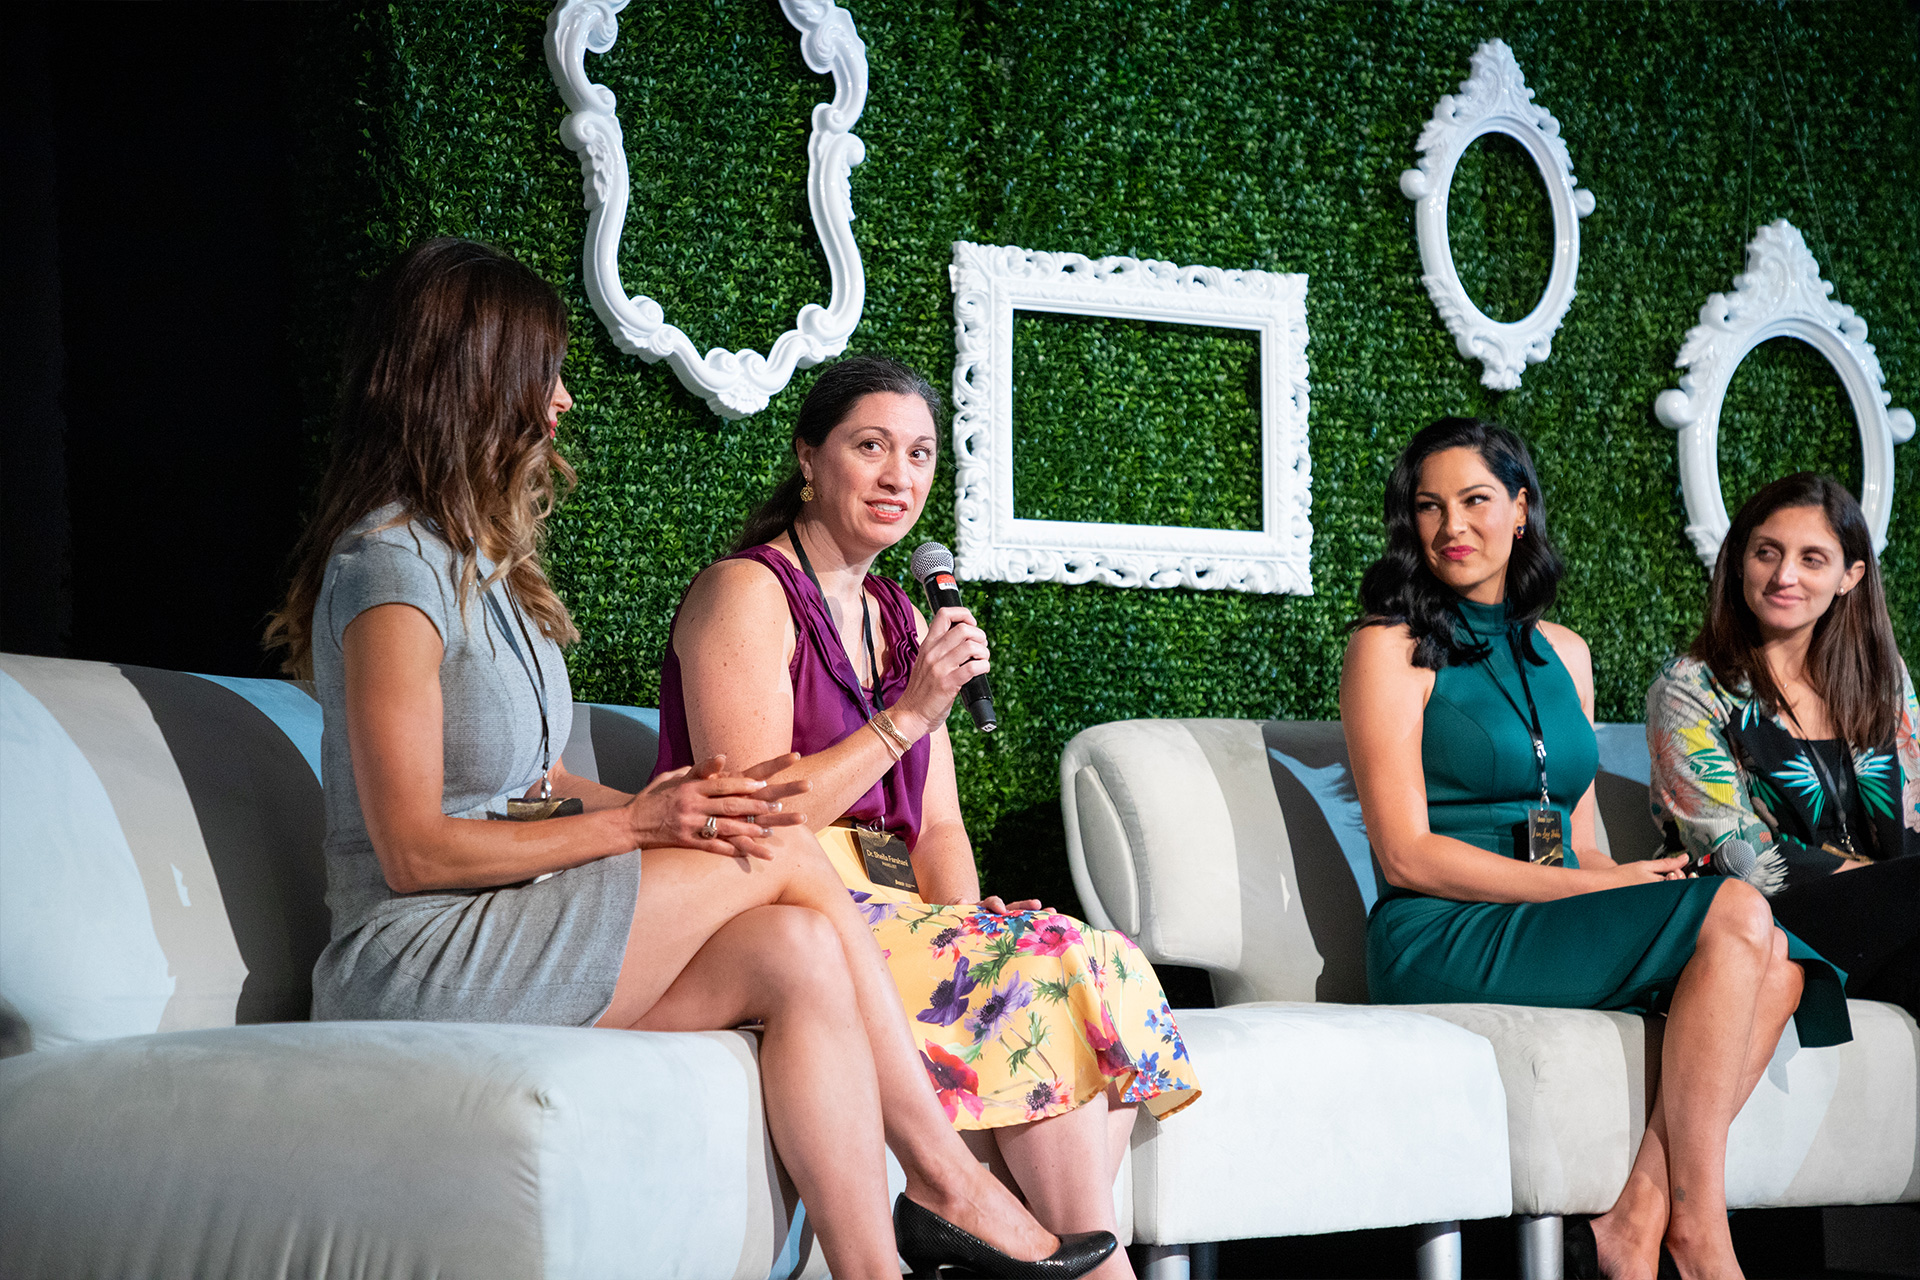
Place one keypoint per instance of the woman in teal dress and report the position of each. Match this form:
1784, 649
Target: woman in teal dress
1469, 723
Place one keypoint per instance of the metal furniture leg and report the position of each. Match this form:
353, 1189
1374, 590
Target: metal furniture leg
1438, 1255
1541, 1251
1167, 1262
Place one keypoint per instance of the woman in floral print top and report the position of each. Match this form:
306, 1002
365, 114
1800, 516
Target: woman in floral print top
1786, 743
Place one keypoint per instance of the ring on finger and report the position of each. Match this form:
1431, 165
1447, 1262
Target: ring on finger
711, 828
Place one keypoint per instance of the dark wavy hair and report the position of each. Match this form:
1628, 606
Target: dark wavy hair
827, 405
1399, 589
1853, 662
449, 369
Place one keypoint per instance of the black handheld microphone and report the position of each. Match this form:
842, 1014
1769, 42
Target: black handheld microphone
932, 568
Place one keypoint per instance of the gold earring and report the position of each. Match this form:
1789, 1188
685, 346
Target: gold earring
806, 492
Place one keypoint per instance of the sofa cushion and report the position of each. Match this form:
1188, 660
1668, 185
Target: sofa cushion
392, 1149
1322, 1117
1824, 1126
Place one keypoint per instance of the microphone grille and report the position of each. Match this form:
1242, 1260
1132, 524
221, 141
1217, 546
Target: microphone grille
930, 558
1737, 858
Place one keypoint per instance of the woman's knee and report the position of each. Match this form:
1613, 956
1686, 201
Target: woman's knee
1740, 915
1785, 976
800, 955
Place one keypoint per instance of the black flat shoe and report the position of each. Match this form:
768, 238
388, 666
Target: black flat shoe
1579, 1252
931, 1244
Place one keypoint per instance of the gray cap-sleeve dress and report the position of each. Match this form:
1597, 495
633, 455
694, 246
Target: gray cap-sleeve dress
540, 952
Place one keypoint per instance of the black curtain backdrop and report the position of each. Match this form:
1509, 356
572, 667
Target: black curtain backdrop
154, 474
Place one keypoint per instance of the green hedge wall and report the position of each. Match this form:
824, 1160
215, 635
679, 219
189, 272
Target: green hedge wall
1236, 134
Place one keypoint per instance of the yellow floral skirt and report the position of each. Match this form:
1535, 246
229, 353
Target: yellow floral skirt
1024, 1016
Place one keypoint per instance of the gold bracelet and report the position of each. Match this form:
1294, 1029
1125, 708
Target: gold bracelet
885, 739
884, 722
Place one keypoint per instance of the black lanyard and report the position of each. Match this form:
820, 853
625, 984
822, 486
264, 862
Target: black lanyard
866, 620
536, 677
1532, 716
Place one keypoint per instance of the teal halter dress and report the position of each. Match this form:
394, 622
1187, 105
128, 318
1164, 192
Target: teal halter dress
1620, 949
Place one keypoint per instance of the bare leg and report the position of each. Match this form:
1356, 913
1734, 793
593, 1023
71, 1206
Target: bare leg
1698, 1236
1066, 1164
685, 897
782, 965
1728, 1009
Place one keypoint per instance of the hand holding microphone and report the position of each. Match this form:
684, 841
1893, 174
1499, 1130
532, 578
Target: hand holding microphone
953, 659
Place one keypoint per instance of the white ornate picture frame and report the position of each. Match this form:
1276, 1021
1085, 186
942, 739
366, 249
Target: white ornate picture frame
733, 383
1495, 99
1780, 295
990, 283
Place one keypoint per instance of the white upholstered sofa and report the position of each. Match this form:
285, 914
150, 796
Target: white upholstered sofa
166, 1111
1237, 847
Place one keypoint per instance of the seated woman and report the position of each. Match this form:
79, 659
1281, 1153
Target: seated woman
1786, 743
1469, 722
419, 605
1031, 1025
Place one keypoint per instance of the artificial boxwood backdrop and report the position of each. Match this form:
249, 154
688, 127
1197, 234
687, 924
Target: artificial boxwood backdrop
1236, 134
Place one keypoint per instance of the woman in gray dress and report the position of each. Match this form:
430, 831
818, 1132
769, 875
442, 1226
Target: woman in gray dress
420, 609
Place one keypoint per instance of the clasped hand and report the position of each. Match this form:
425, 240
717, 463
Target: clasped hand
673, 810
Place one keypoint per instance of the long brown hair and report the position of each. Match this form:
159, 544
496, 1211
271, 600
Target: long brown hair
1853, 663
450, 368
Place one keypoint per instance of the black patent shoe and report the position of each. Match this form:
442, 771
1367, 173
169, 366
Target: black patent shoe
930, 1244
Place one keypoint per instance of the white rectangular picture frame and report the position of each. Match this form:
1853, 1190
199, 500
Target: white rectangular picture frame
990, 283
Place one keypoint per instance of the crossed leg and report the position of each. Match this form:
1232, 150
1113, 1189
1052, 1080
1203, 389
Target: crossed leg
1066, 1164
717, 941
1729, 1007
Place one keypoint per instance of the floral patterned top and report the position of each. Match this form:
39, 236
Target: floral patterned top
1725, 771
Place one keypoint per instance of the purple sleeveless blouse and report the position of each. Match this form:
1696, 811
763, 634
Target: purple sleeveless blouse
828, 702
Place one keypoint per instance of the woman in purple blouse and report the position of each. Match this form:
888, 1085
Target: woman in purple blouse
1040, 1035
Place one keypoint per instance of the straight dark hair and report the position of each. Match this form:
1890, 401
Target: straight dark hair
449, 370
827, 405
1399, 589
1853, 662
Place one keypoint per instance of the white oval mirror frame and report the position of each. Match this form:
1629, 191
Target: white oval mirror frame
1495, 99
1780, 295
733, 383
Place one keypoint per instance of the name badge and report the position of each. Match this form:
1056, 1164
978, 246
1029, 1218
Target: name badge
1546, 842
519, 810
887, 859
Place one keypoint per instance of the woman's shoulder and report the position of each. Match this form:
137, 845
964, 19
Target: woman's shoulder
741, 589
388, 531
1687, 673
1382, 646
1686, 690
1566, 642
1572, 652
387, 558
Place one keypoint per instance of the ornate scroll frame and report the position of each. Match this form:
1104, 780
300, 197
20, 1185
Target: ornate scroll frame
1495, 99
990, 282
733, 383
1780, 295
